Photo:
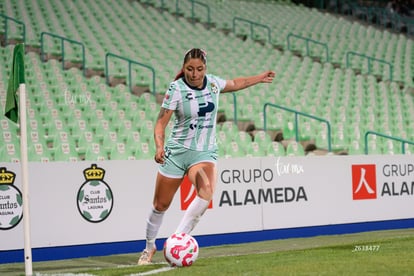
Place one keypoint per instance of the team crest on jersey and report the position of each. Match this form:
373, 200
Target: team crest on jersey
214, 88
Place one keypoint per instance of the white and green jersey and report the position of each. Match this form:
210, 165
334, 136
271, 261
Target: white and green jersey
195, 112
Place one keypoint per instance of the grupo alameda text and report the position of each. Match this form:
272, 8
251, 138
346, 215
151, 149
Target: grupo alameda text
255, 195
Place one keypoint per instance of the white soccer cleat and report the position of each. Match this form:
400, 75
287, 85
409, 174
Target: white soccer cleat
146, 256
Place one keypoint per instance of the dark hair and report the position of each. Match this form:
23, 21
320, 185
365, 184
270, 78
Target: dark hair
195, 53
192, 53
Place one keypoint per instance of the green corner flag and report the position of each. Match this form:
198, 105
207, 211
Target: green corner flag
16, 78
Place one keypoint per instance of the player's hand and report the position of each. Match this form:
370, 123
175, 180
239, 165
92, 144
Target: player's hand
159, 156
268, 76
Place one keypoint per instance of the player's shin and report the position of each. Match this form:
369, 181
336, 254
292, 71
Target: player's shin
153, 225
192, 215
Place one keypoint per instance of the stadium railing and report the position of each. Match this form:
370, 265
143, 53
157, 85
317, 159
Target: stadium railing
375, 133
253, 25
369, 62
62, 40
205, 6
296, 126
13, 36
130, 62
308, 41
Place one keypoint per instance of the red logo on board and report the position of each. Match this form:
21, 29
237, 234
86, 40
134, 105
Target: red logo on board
188, 193
364, 182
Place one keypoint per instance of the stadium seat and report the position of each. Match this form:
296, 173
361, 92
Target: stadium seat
120, 152
95, 153
275, 149
233, 149
123, 131
409, 149
374, 147
262, 136
138, 115
223, 137
229, 127
275, 121
146, 99
146, 130
255, 149
144, 150
242, 137
109, 139
8, 137
306, 131
289, 131
7, 125
133, 138
83, 141
222, 151
60, 137
11, 152
64, 152
294, 149
340, 142
355, 148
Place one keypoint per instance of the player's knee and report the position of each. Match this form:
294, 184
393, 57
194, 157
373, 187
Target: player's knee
204, 183
161, 206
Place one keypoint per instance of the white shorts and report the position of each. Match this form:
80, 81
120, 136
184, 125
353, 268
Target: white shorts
179, 159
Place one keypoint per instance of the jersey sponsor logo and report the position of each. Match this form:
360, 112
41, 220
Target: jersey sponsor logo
195, 126
364, 182
202, 111
205, 108
189, 96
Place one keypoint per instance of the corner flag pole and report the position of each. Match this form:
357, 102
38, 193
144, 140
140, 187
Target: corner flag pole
16, 111
25, 180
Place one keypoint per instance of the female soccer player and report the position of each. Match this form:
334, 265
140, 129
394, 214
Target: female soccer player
191, 148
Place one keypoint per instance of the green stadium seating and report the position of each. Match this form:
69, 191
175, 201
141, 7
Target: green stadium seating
234, 149
275, 149
256, 149
294, 149
78, 104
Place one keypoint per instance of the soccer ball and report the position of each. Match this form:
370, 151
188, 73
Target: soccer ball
181, 249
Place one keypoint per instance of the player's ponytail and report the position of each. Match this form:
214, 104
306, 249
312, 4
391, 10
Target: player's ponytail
179, 75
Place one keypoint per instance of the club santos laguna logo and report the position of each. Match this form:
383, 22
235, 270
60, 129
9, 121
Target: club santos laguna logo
11, 210
95, 199
370, 181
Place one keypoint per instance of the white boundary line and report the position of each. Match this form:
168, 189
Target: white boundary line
155, 271
63, 274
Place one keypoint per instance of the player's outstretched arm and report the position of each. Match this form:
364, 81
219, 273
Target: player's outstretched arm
244, 82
